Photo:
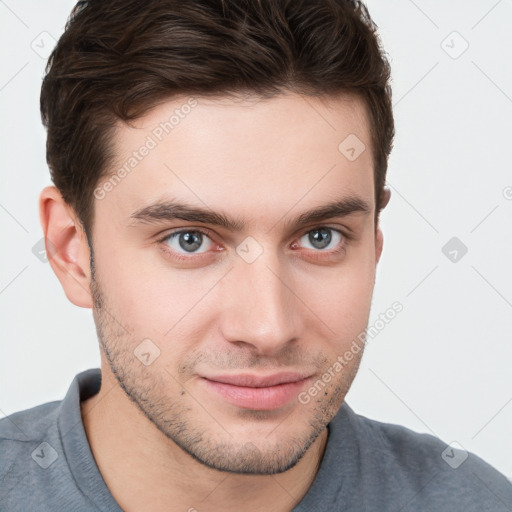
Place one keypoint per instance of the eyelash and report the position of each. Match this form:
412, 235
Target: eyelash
321, 255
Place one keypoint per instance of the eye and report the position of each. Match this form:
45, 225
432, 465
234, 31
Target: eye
322, 238
188, 241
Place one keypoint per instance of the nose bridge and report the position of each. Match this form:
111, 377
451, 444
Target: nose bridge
262, 309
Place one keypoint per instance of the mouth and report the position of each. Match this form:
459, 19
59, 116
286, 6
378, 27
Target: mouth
257, 392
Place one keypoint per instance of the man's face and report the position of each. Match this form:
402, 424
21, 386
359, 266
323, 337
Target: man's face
216, 330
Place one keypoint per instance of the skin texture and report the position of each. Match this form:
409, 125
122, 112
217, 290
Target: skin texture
162, 439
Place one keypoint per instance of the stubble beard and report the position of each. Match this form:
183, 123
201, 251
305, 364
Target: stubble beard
175, 416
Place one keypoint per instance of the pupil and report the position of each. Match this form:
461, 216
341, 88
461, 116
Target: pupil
190, 240
320, 238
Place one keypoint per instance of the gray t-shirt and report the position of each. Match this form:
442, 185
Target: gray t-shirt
46, 464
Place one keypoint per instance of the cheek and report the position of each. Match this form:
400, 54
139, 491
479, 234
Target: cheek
341, 298
152, 300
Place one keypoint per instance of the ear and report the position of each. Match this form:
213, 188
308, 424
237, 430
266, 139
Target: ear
379, 238
379, 242
66, 246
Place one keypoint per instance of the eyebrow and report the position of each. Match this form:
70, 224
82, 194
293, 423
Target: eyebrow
172, 210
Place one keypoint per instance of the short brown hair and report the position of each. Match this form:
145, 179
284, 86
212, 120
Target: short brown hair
119, 58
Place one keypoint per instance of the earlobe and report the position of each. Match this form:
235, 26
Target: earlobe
379, 242
66, 246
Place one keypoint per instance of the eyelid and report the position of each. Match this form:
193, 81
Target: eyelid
345, 239
345, 233
183, 257
204, 231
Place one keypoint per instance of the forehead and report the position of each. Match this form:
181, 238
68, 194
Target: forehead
256, 156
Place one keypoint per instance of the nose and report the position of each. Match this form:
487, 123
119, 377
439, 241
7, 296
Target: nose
260, 308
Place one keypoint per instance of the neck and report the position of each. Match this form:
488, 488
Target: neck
144, 470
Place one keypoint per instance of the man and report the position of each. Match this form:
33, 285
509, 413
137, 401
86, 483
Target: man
219, 170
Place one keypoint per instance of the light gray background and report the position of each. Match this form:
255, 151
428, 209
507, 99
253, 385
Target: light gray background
443, 364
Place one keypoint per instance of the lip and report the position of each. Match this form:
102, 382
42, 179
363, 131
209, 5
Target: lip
257, 392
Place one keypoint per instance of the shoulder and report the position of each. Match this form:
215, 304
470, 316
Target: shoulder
29, 424
27, 437
422, 472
